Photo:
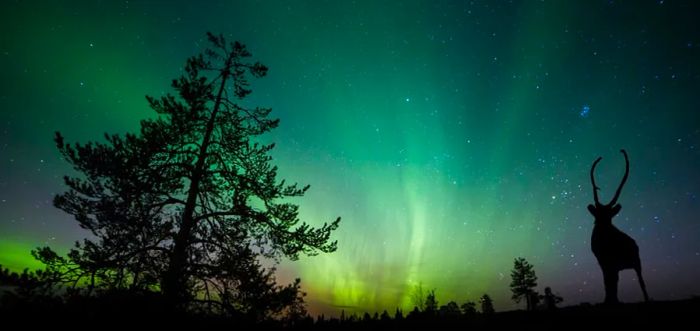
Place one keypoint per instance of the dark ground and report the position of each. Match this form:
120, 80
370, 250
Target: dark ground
121, 313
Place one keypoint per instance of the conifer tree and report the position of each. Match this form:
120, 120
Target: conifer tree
523, 282
190, 204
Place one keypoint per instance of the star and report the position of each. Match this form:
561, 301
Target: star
585, 110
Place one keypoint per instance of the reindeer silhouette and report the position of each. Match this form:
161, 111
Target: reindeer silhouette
614, 249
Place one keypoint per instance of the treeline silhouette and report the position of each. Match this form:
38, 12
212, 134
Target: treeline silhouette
24, 301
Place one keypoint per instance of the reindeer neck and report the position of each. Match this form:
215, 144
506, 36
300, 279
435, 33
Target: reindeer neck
603, 224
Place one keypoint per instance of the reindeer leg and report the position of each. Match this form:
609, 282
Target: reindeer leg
610, 277
641, 282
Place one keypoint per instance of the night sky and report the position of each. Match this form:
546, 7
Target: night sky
451, 137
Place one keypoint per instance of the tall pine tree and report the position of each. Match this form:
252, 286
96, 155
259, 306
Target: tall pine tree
189, 204
523, 282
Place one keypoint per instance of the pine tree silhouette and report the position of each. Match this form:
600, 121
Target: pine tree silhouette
523, 282
486, 305
189, 205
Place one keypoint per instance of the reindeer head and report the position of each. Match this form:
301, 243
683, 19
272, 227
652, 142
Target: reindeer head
603, 214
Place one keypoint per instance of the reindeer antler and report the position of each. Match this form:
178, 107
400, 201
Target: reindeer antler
595, 188
624, 178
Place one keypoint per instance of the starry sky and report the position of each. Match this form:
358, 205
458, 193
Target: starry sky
450, 136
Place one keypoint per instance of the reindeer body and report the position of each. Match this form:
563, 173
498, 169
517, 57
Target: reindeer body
614, 249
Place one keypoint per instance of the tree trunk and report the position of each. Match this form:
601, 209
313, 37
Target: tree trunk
174, 281
528, 299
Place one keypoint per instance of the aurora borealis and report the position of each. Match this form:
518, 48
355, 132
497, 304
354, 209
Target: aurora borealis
450, 136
